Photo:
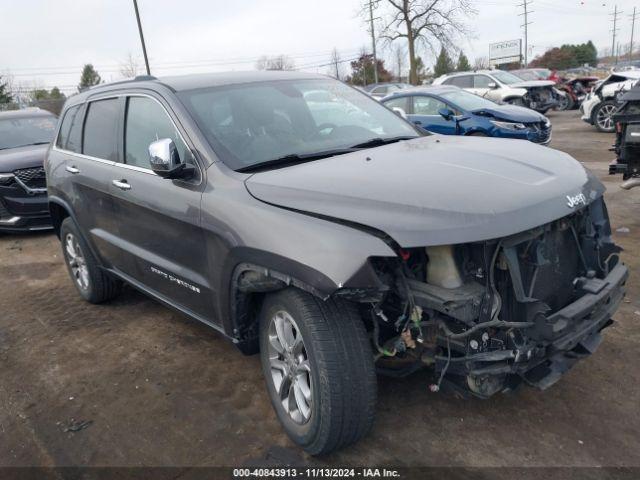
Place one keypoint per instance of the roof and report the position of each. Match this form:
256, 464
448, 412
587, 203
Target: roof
432, 89
25, 113
203, 80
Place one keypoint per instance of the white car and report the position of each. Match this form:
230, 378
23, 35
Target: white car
505, 87
600, 105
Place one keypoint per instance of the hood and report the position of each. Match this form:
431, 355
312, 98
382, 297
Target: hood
23, 157
511, 113
435, 190
533, 84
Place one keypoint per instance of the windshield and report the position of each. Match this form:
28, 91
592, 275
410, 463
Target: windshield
255, 123
527, 75
467, 101
506, 77
23, 131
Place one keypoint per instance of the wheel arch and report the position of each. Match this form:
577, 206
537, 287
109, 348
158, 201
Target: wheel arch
59, 211
251, 274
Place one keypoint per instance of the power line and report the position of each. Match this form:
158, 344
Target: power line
615, 14
525, 4
633, 26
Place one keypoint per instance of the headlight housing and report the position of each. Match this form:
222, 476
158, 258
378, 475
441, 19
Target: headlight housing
512, 126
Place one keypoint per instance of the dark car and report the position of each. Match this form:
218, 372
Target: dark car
627, 146
335, 245
451, 111
24, 138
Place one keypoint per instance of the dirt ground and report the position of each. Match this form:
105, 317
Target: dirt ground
143, 385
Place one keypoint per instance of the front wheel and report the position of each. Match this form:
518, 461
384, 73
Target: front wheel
603, 116
319, 369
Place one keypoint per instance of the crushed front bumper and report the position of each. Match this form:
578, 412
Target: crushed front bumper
568, 335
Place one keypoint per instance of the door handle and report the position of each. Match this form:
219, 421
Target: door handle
73, 170
121, 184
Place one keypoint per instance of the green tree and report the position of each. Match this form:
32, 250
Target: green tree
89, 77
568, 56
362, 71
5, 95
463, 63
444, 64
42, 94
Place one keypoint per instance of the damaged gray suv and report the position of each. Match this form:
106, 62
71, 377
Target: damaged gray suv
308, 223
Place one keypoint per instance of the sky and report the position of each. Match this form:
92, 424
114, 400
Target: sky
46, 42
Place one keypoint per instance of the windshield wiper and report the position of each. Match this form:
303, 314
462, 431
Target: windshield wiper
293, 159
25, 145
379, 141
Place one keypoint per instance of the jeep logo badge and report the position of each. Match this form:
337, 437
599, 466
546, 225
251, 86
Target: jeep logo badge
574, 201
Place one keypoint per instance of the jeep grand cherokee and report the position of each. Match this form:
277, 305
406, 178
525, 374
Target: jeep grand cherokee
309, 223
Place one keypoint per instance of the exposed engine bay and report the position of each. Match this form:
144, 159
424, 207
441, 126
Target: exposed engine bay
491, 315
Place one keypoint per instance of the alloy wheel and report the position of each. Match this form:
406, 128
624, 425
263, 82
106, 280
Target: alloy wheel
604, 117
77, 262
290, 368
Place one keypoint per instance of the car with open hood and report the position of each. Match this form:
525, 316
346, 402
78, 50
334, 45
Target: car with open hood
24, 139
505, 87
310, 224
450, 110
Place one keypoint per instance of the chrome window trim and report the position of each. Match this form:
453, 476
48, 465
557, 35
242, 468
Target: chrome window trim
126, 166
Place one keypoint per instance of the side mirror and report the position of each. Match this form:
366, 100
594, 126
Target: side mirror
492, 85
165, 160
446, 113
400, 112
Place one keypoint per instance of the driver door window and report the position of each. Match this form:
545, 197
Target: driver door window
146, 122
427, 106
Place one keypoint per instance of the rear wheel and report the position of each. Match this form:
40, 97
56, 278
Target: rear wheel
603, 116
93, 284
319, 369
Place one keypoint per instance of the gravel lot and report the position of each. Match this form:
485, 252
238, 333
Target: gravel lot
143, 385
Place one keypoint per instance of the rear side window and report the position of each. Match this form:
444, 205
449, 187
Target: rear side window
100, 129
147, 121
463, 81
65, 128
74, 143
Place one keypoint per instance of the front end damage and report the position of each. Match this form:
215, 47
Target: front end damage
491, 315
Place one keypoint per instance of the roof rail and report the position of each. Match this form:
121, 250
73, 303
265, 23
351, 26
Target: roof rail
142, 78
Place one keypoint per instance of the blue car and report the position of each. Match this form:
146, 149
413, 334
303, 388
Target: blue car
450, 110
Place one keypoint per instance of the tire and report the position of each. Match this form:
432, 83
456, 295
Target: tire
93, 283
331, 363
477, 134
602, 116
543, 111
566, 103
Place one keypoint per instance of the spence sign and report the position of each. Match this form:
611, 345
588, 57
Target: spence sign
505, 52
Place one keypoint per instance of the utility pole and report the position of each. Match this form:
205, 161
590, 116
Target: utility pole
525, 5
633, 26
615, 14
144, 48
373, 42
